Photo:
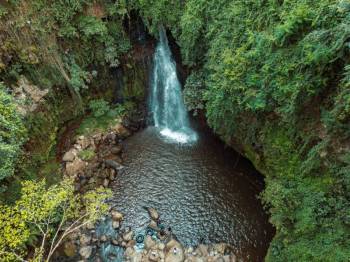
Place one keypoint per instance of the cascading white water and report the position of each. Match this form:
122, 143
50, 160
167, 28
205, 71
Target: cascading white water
166, 103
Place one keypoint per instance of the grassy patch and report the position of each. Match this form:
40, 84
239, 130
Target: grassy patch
94, 123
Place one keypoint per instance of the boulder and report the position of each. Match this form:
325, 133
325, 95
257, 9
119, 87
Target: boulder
116, 215
153, 213
161, 246
153, 225
228, 258
149, 242
136, 258
189, 250
175, 252
220, 248
84, 142
131, 243
113, 164
70, 155
121, 131
72, 168
132, 255
153, 255
115, 242
202, 250
85, 240
129, 252
195, 259
128, 236
106, 182
218, 259
85, 252
112, 176
103, 238
116, 150
115, 224
111, 137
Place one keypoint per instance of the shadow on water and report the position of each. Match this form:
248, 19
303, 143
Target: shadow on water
205, 191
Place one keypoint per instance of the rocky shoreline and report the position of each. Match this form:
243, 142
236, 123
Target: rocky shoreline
156, 244
95, 160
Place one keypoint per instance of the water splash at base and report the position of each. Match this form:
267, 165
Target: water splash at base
184, 136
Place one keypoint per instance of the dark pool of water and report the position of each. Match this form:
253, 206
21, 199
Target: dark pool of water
204, 191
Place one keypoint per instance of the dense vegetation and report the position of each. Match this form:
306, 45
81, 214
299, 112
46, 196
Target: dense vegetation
43, 216
12, 134
60, 46
273, 77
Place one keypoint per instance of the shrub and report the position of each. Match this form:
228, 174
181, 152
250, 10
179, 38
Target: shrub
87, 154
99, 107
12, 134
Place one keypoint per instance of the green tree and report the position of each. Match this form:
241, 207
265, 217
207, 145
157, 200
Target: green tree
45, 217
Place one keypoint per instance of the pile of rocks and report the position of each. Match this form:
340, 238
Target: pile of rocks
162, 246
153, 246
104, 161
173, 251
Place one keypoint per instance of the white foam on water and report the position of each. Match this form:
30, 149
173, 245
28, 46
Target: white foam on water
181, 137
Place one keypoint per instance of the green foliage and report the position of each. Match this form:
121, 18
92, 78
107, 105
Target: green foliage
41, 213
194, 92
12, 134
99, 107
87, 154
78, 78
107, 117
159, 12
92, 26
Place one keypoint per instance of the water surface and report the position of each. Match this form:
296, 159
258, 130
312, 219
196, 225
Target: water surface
205, 192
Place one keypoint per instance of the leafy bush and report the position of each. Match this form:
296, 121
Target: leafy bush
194, 92
99, 107
92, 26
12, 134
87, 154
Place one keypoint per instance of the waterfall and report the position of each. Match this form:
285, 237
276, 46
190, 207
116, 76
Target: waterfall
166, 102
